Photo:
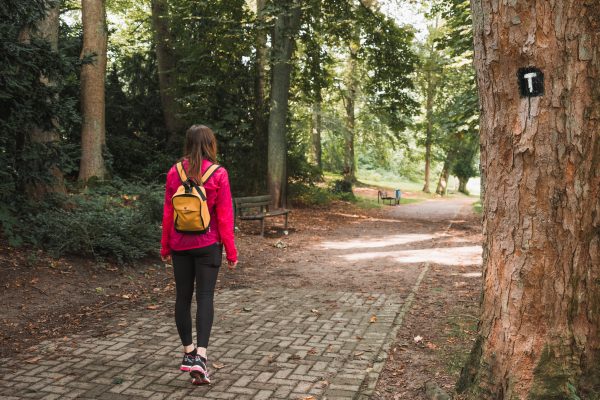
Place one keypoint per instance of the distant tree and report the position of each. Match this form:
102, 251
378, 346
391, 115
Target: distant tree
93, 71
46, 29
166, 62
283, 43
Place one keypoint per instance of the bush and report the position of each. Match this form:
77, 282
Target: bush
341, 186
100, 223
306, 195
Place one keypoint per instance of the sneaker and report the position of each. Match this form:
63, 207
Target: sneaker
187, 363
199, 372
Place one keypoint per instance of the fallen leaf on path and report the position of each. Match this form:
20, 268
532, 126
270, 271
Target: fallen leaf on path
314, 310
431, 346
126, 296
309, 398
359, 353
217, 365
418, 339
33, 360
152, 307
312, 351
373, 319
247, 309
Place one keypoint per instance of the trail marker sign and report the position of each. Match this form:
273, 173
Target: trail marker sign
531, 82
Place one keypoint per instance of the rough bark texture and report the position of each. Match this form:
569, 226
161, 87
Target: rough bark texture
165, 58
350, 103
92, 89
260, 83
429, 126
286, 25
539, 330
46, 29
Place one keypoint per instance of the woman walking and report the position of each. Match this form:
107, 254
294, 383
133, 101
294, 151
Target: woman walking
196, 254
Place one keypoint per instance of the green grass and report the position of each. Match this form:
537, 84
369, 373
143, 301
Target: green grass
478, 207
371, 203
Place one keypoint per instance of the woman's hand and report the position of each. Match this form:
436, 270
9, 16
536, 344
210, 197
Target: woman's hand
231, 264
166, 259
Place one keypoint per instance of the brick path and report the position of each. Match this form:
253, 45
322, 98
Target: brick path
279, 343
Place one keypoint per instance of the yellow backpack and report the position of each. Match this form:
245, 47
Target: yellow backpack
190, 209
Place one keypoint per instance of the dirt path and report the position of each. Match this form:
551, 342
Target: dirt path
319, 312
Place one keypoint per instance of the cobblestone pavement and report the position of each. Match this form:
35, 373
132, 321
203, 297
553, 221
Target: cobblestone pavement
278, 343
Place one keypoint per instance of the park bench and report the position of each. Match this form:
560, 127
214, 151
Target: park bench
257, 208
383, 196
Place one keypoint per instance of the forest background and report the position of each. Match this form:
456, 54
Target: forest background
307, 99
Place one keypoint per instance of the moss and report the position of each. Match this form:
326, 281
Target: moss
468, 375
552, 379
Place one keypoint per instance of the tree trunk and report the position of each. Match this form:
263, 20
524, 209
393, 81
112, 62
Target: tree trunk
316, 134
92, 89
260, 107
442, 186
165, 58
286, 25
46, 29
350, 102
429, 129
462, 185
539, 332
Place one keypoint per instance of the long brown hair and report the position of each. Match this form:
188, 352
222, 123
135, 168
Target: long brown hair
200, 143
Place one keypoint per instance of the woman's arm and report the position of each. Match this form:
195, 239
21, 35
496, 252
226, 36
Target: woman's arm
224, 208
167, 221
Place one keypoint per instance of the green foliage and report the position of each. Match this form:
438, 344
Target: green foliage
100, 222
307, 195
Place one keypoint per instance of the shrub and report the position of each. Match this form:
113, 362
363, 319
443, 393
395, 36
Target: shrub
99, 222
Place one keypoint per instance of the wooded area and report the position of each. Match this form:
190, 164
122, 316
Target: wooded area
292, 90
310, 99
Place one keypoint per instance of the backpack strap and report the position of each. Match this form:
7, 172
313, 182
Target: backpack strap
181, 172
209, 172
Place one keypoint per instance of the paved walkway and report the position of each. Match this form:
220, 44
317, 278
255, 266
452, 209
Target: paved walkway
281, 343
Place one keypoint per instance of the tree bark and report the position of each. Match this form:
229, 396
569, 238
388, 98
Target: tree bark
350, 103
316, 134
93, 133
442, 186
166, 61
286, 25
46, 29
539, 332
429, 129
260, 85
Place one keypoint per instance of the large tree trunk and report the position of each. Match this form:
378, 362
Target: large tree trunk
350, 103
165, 58
46, 29
288, 22
260, 84
429, 127
539, 332
92, 89
316, 134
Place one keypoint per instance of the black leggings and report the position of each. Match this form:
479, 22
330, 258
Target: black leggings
202, 265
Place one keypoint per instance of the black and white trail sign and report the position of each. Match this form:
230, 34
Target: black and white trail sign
531, 82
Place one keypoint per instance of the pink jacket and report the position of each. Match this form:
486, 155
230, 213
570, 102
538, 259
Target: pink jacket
218, 197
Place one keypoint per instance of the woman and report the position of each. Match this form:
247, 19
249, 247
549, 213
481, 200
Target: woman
197, 257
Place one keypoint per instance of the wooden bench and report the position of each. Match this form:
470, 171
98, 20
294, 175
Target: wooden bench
383, 195
260, 210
